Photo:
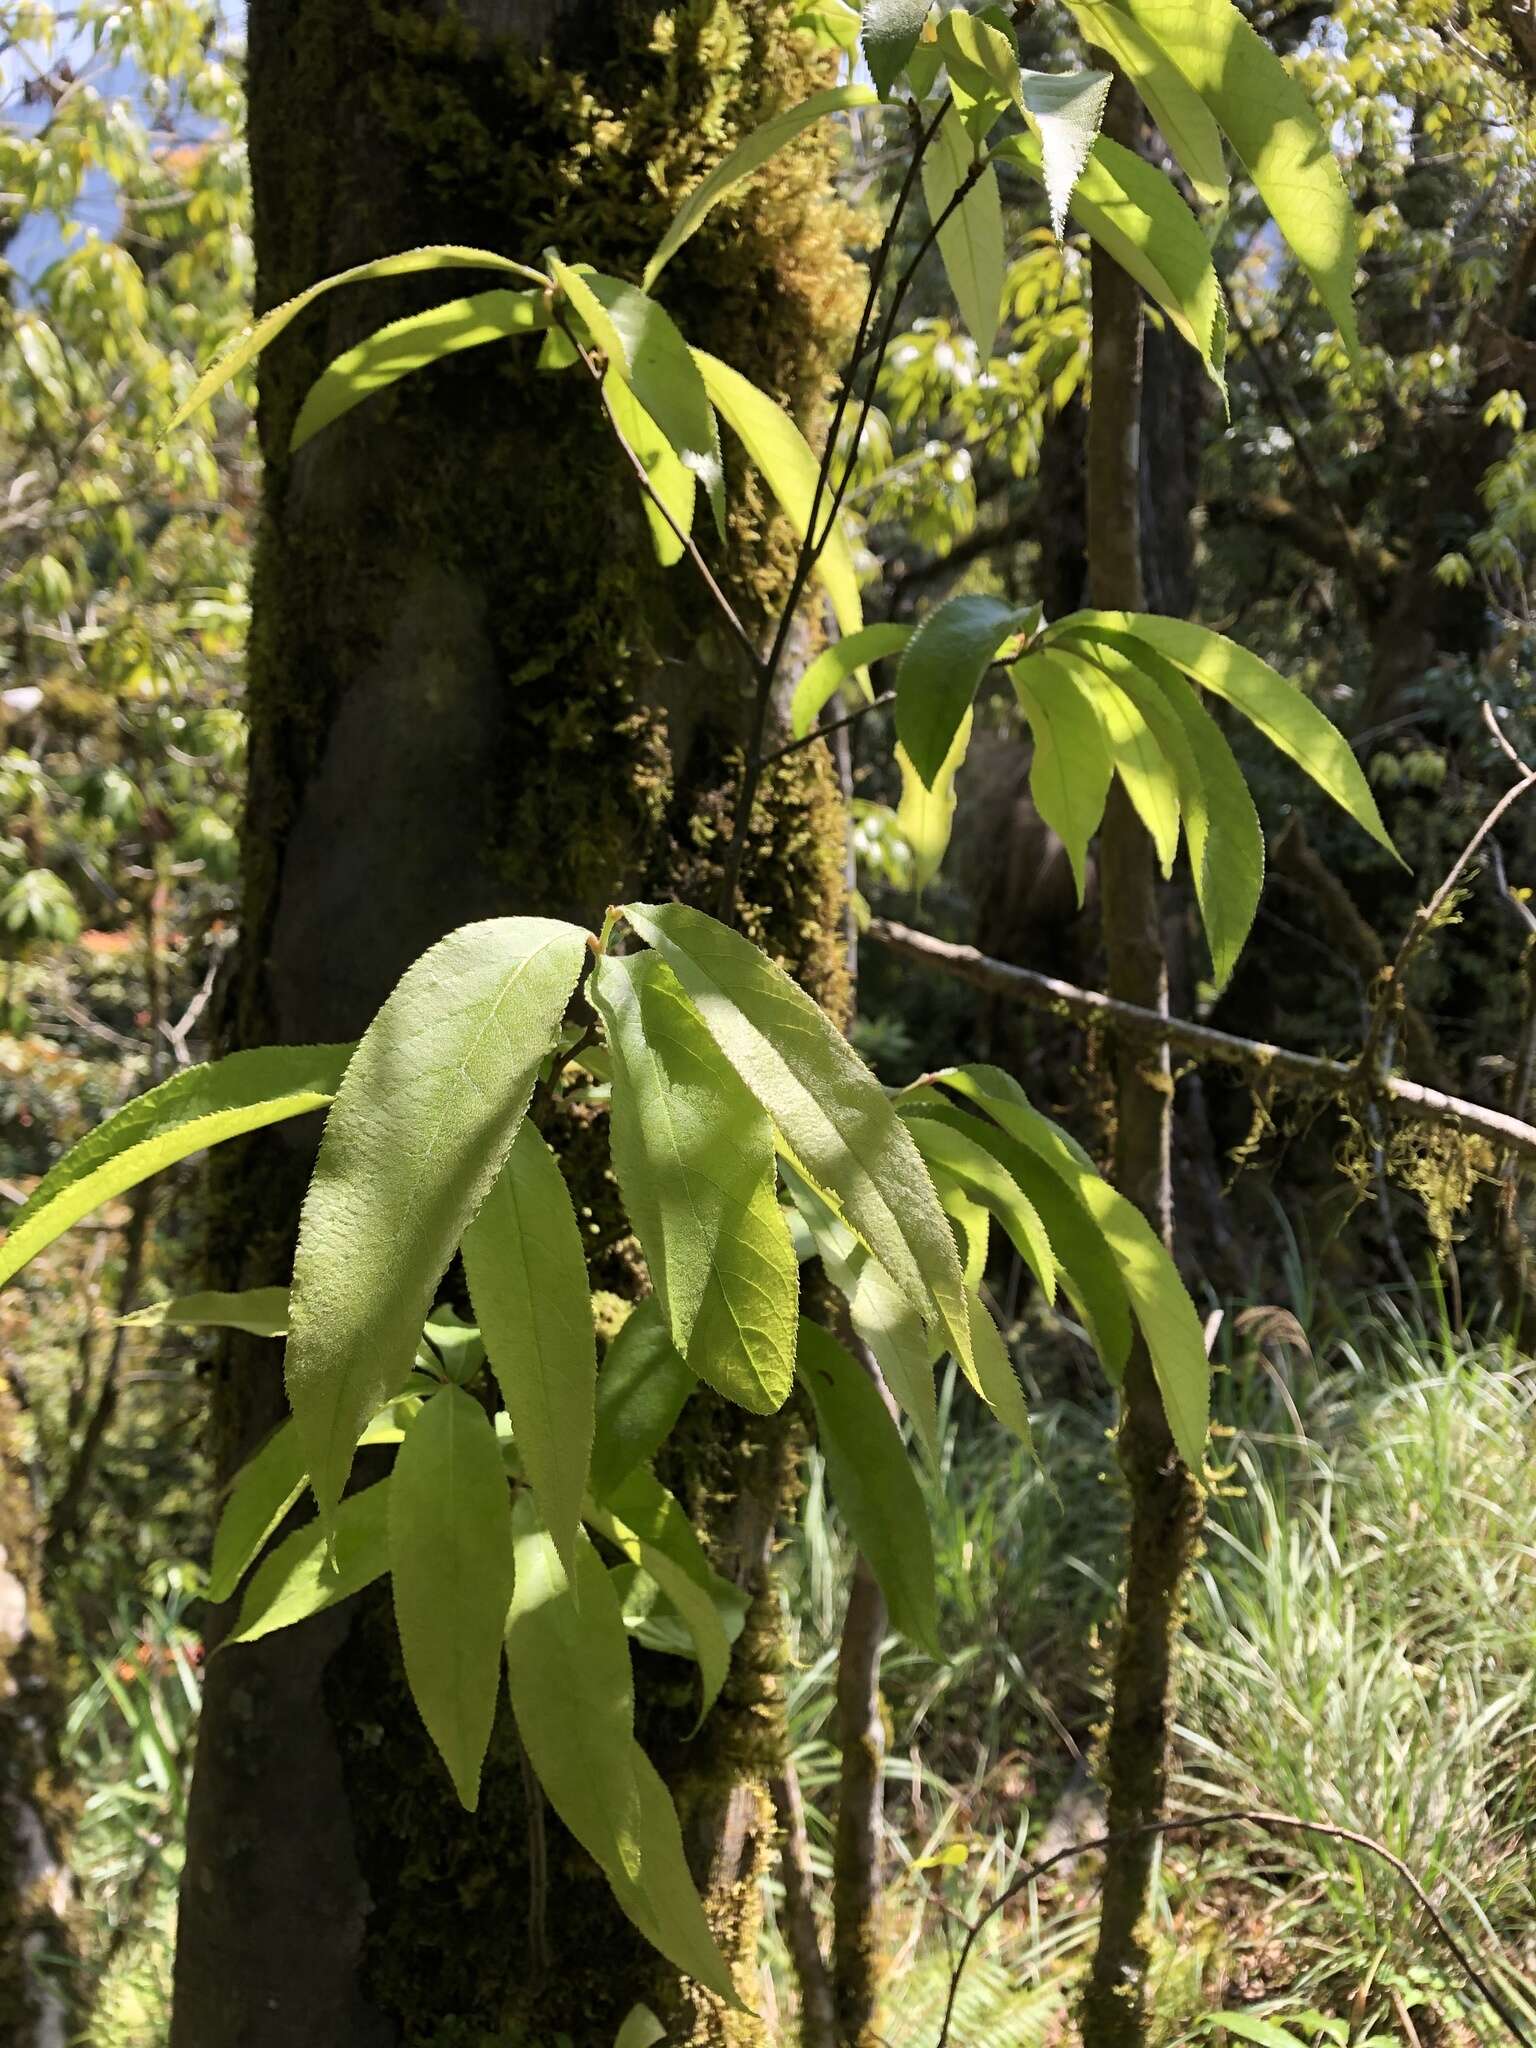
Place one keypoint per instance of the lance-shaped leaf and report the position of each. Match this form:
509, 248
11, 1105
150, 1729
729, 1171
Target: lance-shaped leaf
640, 1394
834, 24
994, 1377
873, 1482
971, 237
198, 1107
264, 1490
669, 502
573, 1691
441, 256
1270, 121
973, 1229
310, 1570
450, 1556
891, 30
986, 1181
527, 1276
1175, 1342
1286, 717
925, 817
831, 1111
843, 661
941, 672
1070, 770
1064, 110
778, 451
749, 155
260, 1311
664, 1904
405, 346
1143, 768
694, 1155
983, 63
420, 1128
1188, 125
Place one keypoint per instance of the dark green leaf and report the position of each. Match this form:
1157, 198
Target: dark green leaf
640, 1394
891, 30
941, 672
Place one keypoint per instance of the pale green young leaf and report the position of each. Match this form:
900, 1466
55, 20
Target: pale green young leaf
1143, 768
750, 155
1162, 1307
971, 239
694, 1155
640, 2027
200, 1106
827, 1105
641, 1390
942, 669
573, 1692
973, 1228
309, 1571
843, 661
249, 345
1070, 770
457, 1344
674, 487
834, 24
1286, 717
983, 64
986, 1181
450, 1557
891, 30
1268, 117
419, 1130
1188, 125
527, 1274
408, 345
1064, 109
873, 1482
778, 451
260, 1311
925, 817
265, 1488
994, 1377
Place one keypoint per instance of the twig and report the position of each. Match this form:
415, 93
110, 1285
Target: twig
822, 732
1247, 1817
1501, 738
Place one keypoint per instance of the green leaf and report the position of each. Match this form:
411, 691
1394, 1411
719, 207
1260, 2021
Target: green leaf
456, 1344
994, 1377
198, 1107
640, 1394
420, 1128
1142, 766
834, 666
641, 2028
664, 1904
983, 65
778, 451
1287, 718
749, 155
925, 817
833, 23
1064, 110
1175, 1341
873, 1482
412, 344
1071, 770
1265, 2033
891, 30
450, 1556
694, 1156
971, 239
527, 1274
308, 1573
1271, 122
941, 672
264, 1490
572, 1689
827, 1105
973, 1228
1187, 123
673, 485
261, 1311
249, 345
988, 1182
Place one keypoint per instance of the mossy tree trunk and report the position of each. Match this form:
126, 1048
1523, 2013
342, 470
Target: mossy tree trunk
472, 693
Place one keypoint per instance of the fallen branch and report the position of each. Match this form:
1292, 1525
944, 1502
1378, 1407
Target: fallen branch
1304, 1072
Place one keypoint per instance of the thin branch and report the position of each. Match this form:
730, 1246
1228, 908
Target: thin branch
818, 2014
822, 732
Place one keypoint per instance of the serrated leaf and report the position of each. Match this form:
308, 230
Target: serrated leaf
983, 65
1175, 1340
925, 817
1270, 121
641, 1390
1071, 770
942, 670
973, 1228
891, 30
1144, 769
664, 1904
835, 665
420, 1128
986, 1181
673, 486
527, 1273
1187, 123
573, 1693
778, 451
971, 239
450, 1556
994, 1377
308, 1573
749, 155
408, 345
265, 1488
260, 1311
1286, 717
199, 1107
694, 1156
1064, 108
440, 256
873, 1482
828, 1106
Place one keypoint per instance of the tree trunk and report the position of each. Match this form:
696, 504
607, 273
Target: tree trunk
472, 692
1164, 1498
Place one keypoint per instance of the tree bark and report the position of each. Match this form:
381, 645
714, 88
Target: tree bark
472, 692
